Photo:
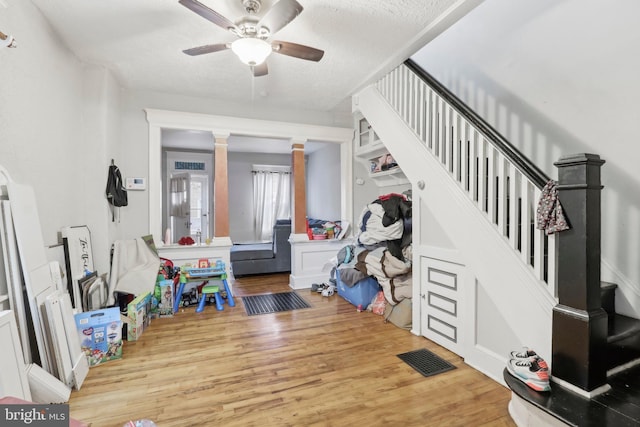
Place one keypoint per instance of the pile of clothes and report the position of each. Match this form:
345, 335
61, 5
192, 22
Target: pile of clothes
382, 249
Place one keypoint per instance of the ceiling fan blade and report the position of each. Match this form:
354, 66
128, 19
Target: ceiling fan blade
210, 48
260, 70
208, 14
297, 50
280, 15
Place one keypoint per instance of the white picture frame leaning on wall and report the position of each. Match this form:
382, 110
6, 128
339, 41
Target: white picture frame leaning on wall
13, 377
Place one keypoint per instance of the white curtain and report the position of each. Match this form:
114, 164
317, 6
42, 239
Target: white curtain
271, 198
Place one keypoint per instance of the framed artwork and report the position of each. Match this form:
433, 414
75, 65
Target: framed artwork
78, 258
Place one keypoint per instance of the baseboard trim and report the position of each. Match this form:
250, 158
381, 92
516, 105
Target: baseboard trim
586, 394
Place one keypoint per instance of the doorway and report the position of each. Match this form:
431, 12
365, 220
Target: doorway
186, 126
187, 201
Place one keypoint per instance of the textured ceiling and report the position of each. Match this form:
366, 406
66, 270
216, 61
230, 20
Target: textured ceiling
141, 41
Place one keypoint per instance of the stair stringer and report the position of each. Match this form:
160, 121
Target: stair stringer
522, 300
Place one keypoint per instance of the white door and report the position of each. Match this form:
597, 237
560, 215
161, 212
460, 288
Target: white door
199, 202
442, 303
179, 207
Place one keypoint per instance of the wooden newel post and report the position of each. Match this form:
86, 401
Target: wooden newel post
579, 321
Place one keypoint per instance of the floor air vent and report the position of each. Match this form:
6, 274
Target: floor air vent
273, 303
426, 362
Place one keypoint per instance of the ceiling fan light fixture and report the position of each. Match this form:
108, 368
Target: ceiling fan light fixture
252, 51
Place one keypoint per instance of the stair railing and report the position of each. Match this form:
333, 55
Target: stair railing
496, 177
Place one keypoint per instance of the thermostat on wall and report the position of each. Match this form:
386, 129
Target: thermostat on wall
135, 184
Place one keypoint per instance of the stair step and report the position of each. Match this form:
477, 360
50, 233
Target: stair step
622, 327
616, 408
608, 296
623, 341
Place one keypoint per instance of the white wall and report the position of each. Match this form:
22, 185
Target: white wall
323, 183
558, 78
431, 232
101, 124
364, 193
57, 118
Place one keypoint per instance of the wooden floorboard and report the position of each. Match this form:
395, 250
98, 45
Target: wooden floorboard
327, 365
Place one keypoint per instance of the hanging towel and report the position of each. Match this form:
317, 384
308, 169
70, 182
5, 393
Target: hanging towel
134, 268
550, 216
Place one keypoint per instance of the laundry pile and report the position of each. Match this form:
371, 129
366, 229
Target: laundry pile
382, 251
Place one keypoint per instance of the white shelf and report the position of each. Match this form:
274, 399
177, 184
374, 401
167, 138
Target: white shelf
368, 149
393, 176
389, 177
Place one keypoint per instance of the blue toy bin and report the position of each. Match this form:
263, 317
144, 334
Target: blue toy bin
361, 293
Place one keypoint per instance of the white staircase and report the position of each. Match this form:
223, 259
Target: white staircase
485, 200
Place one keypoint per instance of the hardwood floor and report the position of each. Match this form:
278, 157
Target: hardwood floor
323, 366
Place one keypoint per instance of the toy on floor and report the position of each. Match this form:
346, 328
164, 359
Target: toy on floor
207, 273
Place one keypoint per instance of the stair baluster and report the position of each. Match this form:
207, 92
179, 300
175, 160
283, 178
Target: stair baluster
485, 165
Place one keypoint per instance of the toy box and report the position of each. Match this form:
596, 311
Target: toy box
360, 294
164, 297
100, 333
138, 316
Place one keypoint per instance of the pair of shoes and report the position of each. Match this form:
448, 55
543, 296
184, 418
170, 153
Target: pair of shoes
328, 291
319, 287
529, 368
528, 354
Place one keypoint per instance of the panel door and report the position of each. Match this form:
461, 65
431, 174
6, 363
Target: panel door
441, 303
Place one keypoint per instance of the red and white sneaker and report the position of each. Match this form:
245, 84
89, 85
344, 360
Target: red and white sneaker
530, 373
528, 354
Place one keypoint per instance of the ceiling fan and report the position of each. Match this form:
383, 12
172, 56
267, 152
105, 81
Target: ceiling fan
252, 46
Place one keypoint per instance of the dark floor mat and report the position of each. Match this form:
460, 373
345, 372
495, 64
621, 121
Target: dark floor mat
273, 303
425, 362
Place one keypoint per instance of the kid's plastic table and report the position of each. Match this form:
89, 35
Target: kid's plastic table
216, 272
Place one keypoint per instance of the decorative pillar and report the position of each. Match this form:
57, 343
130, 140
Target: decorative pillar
299, 203
220, 188
579, 321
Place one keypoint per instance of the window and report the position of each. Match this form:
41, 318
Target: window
271, 198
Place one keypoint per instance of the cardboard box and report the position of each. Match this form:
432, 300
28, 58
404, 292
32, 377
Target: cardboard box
100, 333
138, 317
